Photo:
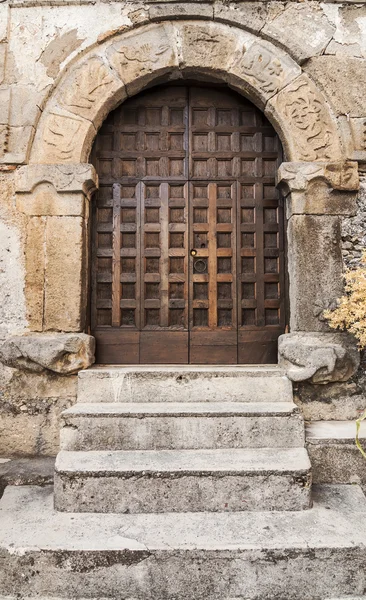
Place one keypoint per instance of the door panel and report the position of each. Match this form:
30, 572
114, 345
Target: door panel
188, 239
212, 297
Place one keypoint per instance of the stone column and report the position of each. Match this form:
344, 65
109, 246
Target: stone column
56, 200
317, 196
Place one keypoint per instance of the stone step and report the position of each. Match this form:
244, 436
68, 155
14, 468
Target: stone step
175, 425
313, 554
183, 480
333, 451
186, 383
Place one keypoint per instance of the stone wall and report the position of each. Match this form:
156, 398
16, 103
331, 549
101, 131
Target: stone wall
42, 42
354, 230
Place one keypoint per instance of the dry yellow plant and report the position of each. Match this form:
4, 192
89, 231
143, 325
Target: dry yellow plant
350, 313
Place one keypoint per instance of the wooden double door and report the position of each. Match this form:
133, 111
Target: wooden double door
188, 241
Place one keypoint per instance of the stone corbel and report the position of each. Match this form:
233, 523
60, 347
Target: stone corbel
316, 357
54, 190
63, 353
319, 188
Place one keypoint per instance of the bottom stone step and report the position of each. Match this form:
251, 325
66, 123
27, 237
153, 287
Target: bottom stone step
183, 480
308, 555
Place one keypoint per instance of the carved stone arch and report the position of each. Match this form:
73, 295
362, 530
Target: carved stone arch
319, 183
125, 64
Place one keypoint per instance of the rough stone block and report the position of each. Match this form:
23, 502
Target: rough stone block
334, 455
183, 480
59, 352
249, 15
190, 10
24, 106
317, 553
186, 383
4, 105
315, 267
4, 13
349, 36
45, 201
2, 62
354, 134
65, 277
177, 425
334, 401
302, 29
333, 75
318, 357
35, 272
18, 144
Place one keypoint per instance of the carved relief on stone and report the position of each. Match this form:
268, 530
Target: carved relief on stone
60, 134
207, 46
64, 178
318, 357
143, 53
303, 113
297, 176
267, 69
62, 138
90, 87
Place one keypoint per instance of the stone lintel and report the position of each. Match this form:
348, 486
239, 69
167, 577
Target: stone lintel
65, 178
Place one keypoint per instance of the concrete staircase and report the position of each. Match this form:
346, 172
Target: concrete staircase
184, 439
183, 483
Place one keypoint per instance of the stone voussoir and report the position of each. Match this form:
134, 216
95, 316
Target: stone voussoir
183, 480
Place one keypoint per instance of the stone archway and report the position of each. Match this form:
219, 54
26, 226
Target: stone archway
318, 180
125, 64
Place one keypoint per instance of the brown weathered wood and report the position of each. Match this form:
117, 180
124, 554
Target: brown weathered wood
164, 347
116, 257
183, 167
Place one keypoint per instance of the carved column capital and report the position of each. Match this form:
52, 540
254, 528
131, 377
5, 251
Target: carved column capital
65, 178
318, 188
297, 176
55, 190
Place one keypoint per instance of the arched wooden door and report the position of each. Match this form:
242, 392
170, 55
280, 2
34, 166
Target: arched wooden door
188, 241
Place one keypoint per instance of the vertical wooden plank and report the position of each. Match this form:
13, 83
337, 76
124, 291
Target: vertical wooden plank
212, 256
234, 260
164, 257
141, 274
259, 250
139, 253
116, 256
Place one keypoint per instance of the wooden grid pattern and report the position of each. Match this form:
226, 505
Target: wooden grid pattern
213, 268
164, 256
183, 168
